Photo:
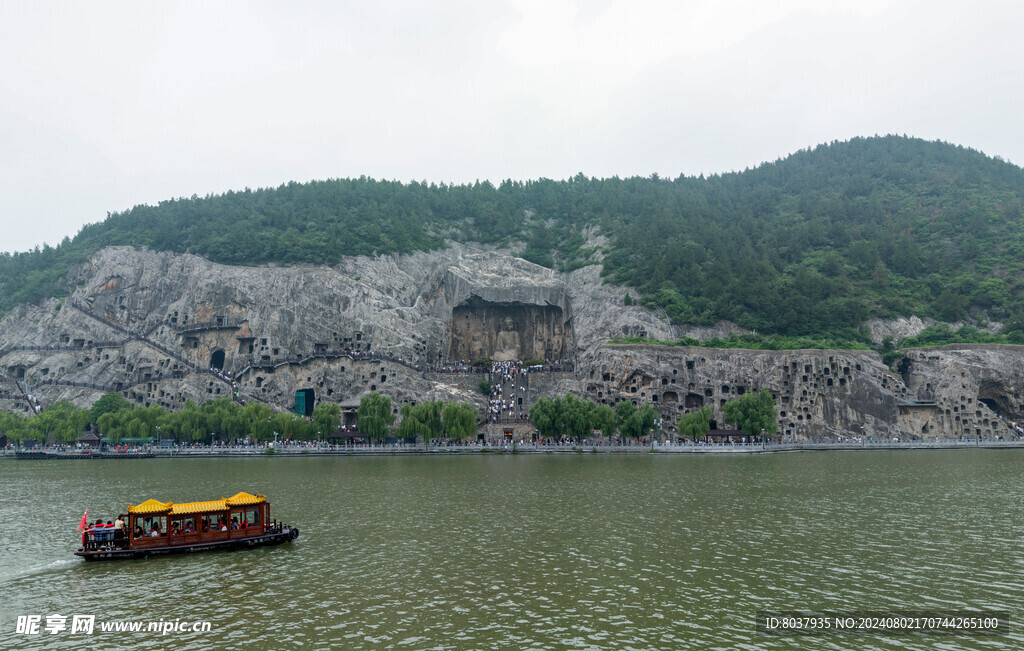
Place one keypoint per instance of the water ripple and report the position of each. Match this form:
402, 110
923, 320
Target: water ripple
532, 552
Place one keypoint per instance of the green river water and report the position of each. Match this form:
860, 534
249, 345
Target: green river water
529, 552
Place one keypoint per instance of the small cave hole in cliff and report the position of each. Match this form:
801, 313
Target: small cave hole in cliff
217, 360
508, 331
905, 367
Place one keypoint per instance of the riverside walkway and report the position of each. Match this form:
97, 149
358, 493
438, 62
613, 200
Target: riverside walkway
444, 448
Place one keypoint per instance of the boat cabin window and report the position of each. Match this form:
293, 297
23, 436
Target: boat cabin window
252, 517
214, 522
153, 526
182, 525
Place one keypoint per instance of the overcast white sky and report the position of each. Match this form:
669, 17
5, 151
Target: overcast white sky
104, 105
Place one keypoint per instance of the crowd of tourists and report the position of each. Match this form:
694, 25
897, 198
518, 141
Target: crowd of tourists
465, 366
458, 366
1018, 430
230, 378
506, 398
501, 408
369, 354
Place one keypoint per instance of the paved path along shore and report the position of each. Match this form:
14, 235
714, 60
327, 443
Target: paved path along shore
528, 448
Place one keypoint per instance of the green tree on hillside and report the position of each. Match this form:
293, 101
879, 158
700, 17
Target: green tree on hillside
809, 245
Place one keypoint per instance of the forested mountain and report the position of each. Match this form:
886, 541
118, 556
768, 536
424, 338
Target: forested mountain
811, 244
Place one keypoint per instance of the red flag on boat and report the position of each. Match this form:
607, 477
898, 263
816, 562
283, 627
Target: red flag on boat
83, 524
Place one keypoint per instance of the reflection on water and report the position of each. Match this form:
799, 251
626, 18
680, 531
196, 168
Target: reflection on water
535, 552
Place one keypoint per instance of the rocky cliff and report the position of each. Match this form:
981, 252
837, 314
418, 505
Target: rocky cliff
152, 325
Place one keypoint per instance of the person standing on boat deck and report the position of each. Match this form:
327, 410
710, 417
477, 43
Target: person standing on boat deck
119, 531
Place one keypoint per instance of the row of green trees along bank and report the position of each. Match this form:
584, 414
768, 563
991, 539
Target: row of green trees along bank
115, 419
426, 420
576, 418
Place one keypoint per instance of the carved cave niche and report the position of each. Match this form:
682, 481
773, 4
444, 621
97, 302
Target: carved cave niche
508, 331
217, 359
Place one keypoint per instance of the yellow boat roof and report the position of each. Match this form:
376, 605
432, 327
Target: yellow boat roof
243, 499
151, 506
198, 507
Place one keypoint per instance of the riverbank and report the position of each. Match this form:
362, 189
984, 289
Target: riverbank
529, 448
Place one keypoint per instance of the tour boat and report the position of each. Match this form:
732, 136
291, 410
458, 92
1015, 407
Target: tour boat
154, 528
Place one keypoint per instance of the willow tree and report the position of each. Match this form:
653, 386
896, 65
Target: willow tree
108, 402
753, 412
258, 418
13, 427
459, 421
604, 420
326, 418
695, 424
374, 414
411, 426
633, 422
544, 415
61, 421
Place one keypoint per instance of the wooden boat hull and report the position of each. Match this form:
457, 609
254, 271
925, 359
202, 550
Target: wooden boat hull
286, 534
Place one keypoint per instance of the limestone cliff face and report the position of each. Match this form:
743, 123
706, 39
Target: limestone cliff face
152, 324
973, 390
146, 322
819, 393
